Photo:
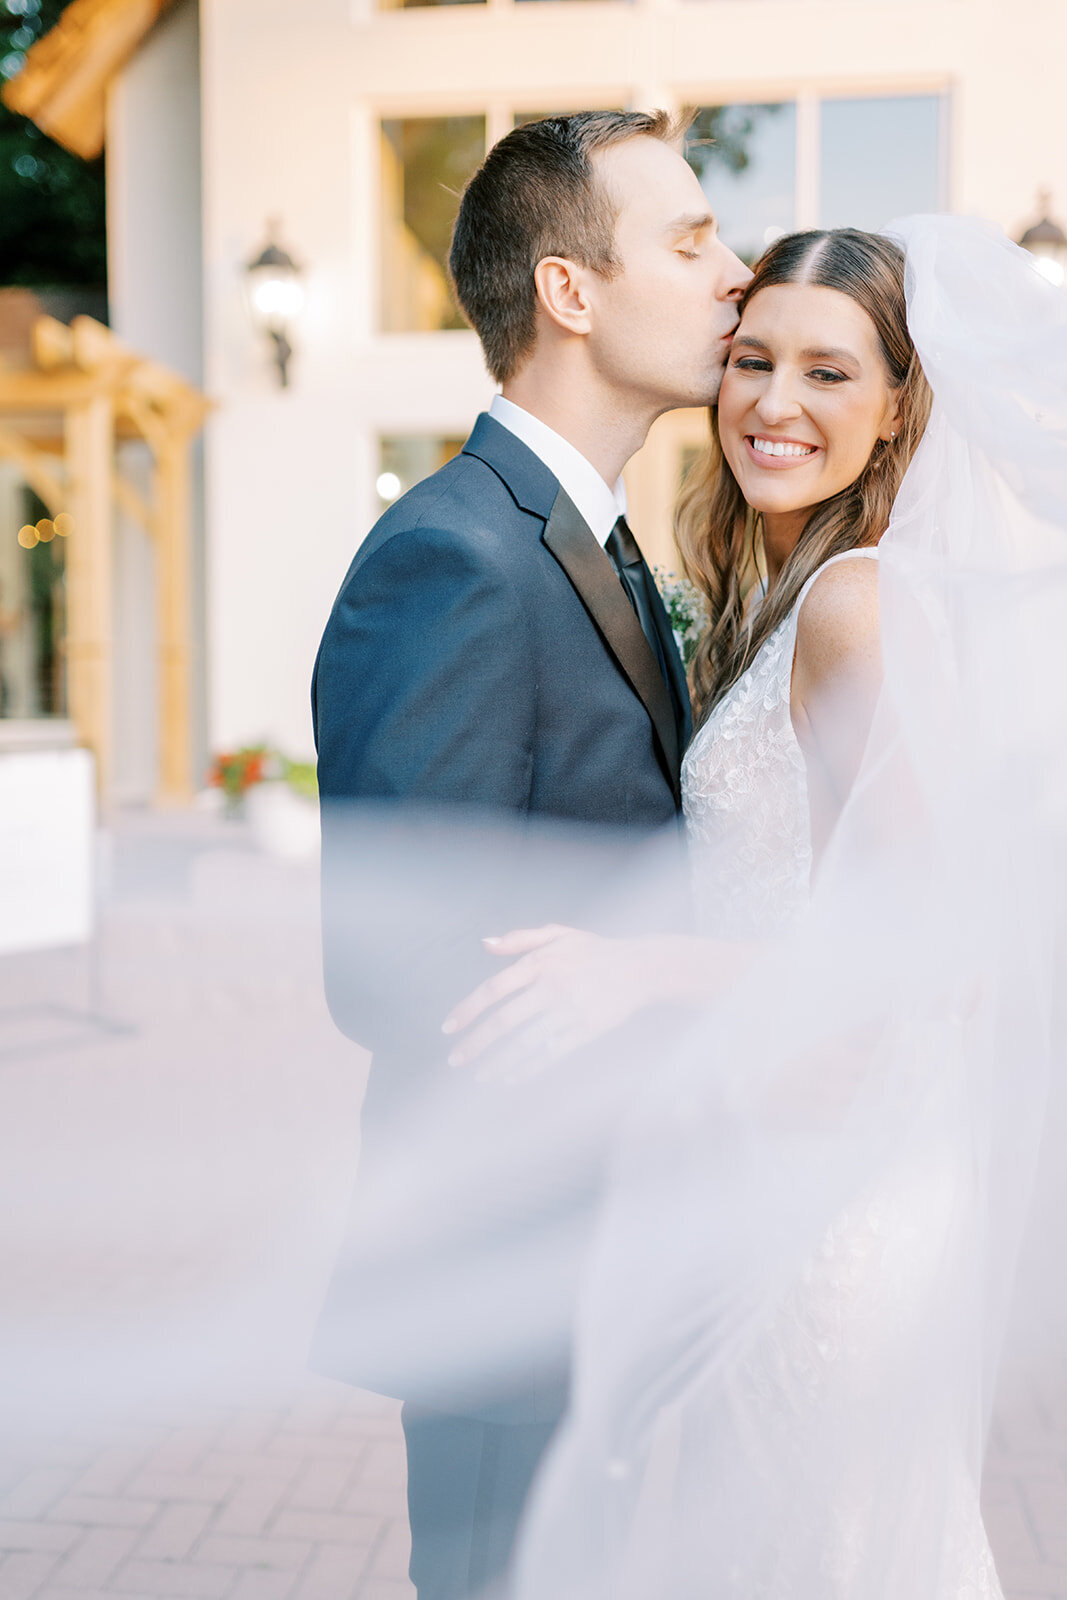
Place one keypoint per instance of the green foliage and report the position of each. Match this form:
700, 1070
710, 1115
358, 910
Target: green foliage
722, 136
52, 221
686, 608
301, 776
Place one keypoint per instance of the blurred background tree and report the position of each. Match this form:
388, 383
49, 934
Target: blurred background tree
52, 220
723, 136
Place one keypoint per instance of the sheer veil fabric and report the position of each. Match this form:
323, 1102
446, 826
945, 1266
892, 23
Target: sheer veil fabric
803, 1270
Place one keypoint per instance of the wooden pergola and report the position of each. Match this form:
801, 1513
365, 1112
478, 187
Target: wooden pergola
62, 421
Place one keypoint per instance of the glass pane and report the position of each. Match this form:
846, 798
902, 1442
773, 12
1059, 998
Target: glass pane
32, 603
745, 158
540, 116
405, 459
879, 159
407, 5
425, 163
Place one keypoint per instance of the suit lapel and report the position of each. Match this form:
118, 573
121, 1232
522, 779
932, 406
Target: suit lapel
597, 584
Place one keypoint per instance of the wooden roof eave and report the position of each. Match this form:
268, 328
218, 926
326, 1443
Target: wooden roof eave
63, 85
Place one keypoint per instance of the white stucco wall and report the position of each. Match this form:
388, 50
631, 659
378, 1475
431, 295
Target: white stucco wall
155, 269
291, 101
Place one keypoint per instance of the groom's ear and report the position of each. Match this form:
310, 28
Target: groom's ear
561, 293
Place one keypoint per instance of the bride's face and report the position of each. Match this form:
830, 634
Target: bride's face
805, 398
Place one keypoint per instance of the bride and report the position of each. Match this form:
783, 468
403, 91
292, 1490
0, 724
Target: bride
796, 1297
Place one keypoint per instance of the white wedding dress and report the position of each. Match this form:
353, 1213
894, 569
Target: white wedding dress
747, 817
744, 790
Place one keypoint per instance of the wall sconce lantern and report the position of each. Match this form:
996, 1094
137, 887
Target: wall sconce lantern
276, 298
1047, 243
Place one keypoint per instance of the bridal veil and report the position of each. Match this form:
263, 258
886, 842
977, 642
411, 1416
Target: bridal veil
808, 1258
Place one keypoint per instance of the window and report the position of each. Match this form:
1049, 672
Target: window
425, 163
521, 117
857, 162
408, 5
745, 158
879, 159
405, 459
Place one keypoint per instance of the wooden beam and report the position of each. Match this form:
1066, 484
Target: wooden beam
35, 467
174, 613
89, 581
64, 82
49, 391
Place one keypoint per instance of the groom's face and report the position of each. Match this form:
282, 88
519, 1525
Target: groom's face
661, 327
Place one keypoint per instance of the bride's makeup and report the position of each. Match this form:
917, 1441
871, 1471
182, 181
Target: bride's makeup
805, 398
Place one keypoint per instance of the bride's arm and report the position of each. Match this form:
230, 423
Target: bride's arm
837, 678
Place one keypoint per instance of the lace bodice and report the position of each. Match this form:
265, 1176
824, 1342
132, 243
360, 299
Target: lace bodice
745, 793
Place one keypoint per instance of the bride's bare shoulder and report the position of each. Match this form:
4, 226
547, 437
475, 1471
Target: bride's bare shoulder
838, 626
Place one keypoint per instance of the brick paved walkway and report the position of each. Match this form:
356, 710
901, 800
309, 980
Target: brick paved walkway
204, 995
304, 1504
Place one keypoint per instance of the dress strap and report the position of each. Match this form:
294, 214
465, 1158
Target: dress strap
868, 551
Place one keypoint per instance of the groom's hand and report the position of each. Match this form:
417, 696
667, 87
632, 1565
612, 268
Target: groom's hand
566, 989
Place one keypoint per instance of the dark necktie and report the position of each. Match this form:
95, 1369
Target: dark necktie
635, 577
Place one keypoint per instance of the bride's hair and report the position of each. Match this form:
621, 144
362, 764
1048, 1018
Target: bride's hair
717, 530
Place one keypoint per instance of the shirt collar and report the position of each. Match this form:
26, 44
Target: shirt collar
598, 505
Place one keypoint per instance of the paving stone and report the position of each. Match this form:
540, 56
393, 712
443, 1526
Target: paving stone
388, 1589
174, 1534
385, 1464
183, 1579
313, 1444
335, 1573
94, 1559
36, 1492
377, 1500
205, 1488
23, 1572
52, 1593
248, 1432
322, 1483
183, 1451
251, 1464
284, 1554
326, 1527
250, 1507
107, 1510
392, 1552
38, 1535
260, 1585
112, 1469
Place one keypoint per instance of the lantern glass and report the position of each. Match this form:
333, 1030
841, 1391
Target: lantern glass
276, 295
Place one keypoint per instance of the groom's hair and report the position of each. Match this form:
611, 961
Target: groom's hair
537, 194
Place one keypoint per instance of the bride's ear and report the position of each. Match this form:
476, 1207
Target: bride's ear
561, 293
891, 424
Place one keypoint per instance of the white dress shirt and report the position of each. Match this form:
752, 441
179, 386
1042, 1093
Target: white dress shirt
600, 506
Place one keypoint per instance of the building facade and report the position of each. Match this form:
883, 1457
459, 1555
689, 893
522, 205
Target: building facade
354, 123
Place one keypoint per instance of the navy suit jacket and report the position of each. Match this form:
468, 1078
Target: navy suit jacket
482, 651
481, 658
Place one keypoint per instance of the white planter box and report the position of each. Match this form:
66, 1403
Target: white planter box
283, 824
47, 815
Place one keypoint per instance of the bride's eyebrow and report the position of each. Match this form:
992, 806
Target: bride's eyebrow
830, 353
833, 353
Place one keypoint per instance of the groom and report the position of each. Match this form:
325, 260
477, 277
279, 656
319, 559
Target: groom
498, 642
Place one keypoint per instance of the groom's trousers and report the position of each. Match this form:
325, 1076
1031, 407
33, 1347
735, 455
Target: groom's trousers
467, 1484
